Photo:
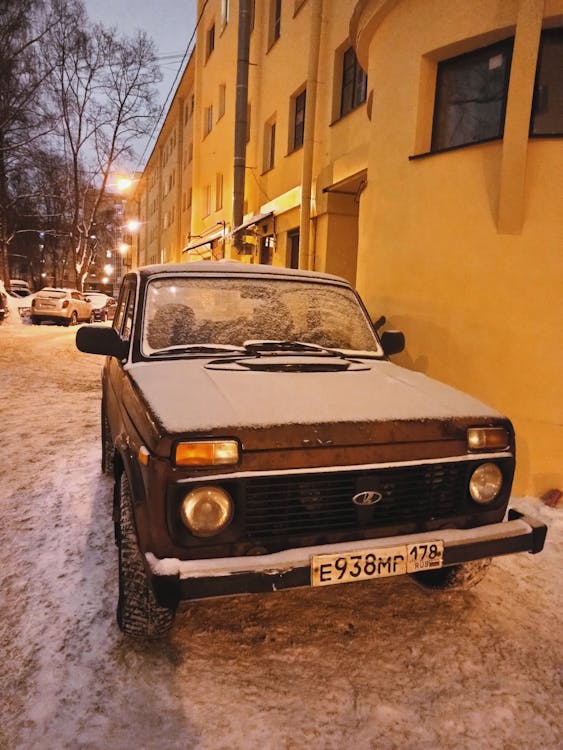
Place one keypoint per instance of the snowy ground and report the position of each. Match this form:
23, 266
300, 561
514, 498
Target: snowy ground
382, 665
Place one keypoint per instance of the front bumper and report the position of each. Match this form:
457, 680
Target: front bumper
175, 580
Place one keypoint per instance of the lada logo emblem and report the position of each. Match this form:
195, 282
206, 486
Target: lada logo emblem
370, 497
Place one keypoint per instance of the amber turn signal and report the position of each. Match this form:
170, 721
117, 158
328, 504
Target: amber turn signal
487, 438
207, 453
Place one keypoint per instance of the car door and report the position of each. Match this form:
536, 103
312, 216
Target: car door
114, 375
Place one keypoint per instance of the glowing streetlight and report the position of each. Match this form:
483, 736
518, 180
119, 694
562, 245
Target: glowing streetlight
108, 269
133, 225
123, 183
123, 247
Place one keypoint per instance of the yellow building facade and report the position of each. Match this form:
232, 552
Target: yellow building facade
461, 233
455, 236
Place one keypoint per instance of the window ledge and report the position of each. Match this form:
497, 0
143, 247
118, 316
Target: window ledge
423, 155
347, 114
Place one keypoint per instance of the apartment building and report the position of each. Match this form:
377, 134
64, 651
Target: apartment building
411, 146
461, 239
162, 195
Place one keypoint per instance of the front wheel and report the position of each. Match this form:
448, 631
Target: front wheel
138, 612
35, 320
107, 444
455, 577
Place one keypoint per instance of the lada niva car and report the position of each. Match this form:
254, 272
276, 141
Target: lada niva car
261, 439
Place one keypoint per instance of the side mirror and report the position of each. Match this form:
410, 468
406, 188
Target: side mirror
392, 342
101, 340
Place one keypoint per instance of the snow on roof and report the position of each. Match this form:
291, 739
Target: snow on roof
233, 267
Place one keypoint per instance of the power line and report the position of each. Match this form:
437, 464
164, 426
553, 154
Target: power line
172, 88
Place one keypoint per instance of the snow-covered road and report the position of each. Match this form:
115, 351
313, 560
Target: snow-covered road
359, 666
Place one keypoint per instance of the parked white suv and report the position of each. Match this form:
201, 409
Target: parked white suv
62, 306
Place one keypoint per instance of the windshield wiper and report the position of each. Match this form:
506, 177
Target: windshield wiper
197, 349
257, 346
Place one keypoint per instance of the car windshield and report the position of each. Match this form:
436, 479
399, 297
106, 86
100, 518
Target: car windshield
229, 312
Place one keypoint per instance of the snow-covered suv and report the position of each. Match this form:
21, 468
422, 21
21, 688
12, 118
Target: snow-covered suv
261, 439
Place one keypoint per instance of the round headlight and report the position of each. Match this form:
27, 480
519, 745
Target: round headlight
485, 483
206, 511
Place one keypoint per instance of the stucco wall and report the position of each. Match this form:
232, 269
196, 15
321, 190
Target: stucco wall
479, 299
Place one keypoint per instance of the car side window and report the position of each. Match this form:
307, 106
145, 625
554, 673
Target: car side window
123, 319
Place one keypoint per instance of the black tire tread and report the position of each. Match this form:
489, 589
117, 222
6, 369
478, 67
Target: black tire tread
138, 613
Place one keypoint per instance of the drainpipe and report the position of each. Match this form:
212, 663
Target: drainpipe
305, 251
241, 124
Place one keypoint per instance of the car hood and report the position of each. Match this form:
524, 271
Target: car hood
185, 396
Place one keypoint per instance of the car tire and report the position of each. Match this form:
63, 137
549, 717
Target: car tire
107, 445
35, 320
92, 318
454, 577
73, 319
138, 613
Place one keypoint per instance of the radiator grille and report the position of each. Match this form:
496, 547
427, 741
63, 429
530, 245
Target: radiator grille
309, 503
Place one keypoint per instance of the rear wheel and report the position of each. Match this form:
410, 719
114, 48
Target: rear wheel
35, 320
73, 318
455, 577
138, 612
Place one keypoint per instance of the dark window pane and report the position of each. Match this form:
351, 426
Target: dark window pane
299, 120
547, 111
354, 83
471, 97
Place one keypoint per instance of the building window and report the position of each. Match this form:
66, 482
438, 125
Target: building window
218, 191
222, 100
210, 41
354, 83
471, 93
298, 120
293, 242
275, 22
269, 145
207, 200
547, 109
207, 120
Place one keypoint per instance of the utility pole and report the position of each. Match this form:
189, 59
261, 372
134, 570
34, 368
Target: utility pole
241, 117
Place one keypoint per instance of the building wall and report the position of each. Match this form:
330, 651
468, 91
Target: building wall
462, 249
164, 212
279, 70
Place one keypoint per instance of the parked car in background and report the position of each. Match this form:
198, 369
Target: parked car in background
103, 306
260, 439
4, 309
19, 288
63, 306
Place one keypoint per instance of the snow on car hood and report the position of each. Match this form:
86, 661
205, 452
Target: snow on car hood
188, 397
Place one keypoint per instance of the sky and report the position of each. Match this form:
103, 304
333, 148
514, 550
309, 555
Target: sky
170, 24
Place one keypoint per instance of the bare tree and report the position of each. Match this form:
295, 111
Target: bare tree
24, 25
104, 86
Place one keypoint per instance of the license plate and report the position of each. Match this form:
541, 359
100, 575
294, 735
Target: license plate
380, 562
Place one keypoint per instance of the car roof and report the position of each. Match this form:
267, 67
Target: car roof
234, 268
